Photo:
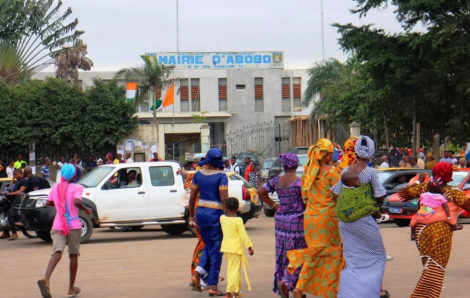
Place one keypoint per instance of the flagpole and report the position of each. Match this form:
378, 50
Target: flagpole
173, 120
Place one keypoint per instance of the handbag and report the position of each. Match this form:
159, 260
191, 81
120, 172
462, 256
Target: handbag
355, 203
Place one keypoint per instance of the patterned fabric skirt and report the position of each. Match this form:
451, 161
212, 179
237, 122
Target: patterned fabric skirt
321, 262
197, 252
289, 231
434, 243
365, 257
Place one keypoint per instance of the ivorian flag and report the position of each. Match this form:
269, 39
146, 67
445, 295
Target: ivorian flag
169, 96
131, 90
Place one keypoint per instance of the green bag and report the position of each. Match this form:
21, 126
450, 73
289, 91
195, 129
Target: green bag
355, 203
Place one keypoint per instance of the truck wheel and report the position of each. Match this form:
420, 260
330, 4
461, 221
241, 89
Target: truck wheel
401, 222
87, 228
269, 212
174, 230
44, 235
136, 228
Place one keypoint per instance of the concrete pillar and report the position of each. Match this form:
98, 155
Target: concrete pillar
205, 138
161, 141
355, 129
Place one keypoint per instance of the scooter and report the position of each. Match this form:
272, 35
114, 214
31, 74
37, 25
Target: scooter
7, 204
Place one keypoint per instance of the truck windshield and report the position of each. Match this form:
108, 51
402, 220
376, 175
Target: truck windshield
94, 178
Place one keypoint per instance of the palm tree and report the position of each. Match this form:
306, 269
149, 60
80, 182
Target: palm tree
12, 70
70, 59
149, 77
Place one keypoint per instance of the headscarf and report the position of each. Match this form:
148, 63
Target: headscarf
289, 160
67, 173
443, 171
214, 157
365, 147
349, 155
429, 155
315, 153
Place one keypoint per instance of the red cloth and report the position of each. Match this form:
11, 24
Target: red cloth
249, 169
443, 170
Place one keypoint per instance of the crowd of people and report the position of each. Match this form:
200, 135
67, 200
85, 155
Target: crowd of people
328, 242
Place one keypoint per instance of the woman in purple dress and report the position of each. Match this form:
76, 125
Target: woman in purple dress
289, 221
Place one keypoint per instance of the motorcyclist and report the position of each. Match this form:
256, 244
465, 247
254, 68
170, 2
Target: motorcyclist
23, 185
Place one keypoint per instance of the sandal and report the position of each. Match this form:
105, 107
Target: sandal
281, 286
215, 293
196, 280
194, 288
45, 291
75, 292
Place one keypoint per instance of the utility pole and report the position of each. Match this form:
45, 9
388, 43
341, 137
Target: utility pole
177, 26
322, 32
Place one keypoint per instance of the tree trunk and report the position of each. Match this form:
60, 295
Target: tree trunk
387, 140
435, 146
413, 146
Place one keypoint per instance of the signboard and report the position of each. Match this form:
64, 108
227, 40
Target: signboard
221, 60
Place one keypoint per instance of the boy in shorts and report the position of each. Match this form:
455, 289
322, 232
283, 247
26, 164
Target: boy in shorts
67, 199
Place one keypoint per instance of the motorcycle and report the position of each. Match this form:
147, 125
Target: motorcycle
7, 204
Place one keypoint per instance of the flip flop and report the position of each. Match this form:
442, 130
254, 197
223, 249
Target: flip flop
45, 291
76, 291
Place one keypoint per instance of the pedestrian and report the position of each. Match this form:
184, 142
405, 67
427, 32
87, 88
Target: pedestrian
363, 248
155, 157
253, 176
322, 260
413, 162
234, 238
128, 157
212, 185
249, 166
20, 163
45, 168
10, 169
462, 163
118, 159
405, 162
288, 220
420, 162
109, 158
233, 165
384, 164
430, 162
3, 170
66, 197
99, 162
434, 240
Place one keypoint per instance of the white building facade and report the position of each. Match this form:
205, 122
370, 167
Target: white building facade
236, 107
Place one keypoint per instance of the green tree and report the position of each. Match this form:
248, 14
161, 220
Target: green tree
149, 76
38, 30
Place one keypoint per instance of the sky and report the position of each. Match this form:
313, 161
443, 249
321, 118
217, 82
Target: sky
118, 31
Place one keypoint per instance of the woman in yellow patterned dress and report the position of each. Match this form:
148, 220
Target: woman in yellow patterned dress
322, 261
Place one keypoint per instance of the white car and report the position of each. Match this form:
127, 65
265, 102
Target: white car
120, 195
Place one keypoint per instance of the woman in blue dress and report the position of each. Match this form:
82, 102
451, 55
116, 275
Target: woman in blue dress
212, 185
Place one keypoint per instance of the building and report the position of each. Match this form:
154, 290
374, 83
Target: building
237, 101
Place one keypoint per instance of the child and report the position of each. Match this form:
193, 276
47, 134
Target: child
234, 236
350, 179
67, 228
433, 207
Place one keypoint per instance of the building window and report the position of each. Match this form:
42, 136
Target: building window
195, 96
240, 86
285, 94
158, 93
222, 94
297, 94
259, 103
184, 95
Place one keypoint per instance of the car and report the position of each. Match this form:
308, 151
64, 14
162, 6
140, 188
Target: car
241, 160
267, 164
402, 211
247, 196
276, 167
394, 179
153, 199
268, 210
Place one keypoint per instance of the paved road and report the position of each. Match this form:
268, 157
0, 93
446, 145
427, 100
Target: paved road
150, 263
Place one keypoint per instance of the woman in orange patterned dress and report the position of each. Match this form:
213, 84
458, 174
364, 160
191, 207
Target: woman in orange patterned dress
322, 261
434, 241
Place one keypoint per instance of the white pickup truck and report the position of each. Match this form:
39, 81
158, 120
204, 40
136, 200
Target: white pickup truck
120, 195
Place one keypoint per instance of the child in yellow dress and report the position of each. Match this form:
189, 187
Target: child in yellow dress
234, 237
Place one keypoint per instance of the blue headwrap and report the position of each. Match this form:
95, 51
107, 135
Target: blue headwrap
67, 172
213, 157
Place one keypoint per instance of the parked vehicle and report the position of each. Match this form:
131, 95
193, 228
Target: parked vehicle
402, 211
267, 164
276, 168
152, 198
246, 194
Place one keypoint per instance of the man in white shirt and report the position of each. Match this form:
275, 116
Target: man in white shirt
233, 165
384, 164
421, 164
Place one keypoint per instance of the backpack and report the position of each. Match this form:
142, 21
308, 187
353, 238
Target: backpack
355, 203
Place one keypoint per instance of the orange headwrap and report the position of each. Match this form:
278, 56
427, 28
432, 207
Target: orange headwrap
315, 154
349, 155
